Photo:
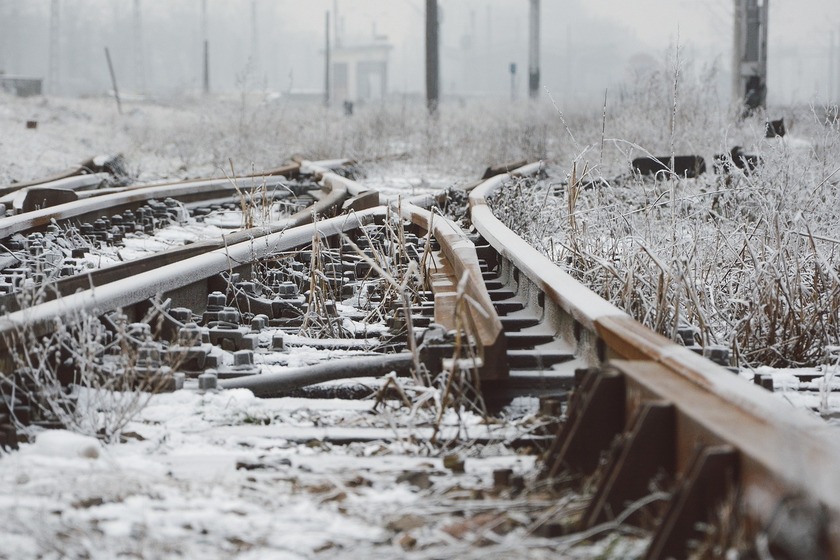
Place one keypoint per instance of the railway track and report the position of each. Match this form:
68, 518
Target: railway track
650, 433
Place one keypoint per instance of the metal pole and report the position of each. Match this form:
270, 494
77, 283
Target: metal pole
254, 37
206, 67
750, 53
113, 80
513, 81
327, 60
13, 61
762, 56
534, 51
139, 74
205, 55
831, 68
336, 35
432, 57
837, 73
55, 47
737, 50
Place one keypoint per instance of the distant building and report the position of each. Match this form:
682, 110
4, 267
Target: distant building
20, 86
360, 72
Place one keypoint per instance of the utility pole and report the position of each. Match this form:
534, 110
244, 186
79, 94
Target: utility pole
139, 74
11, 37
749, 61
327, 60
534, 51
336, 34
831, 68
432, 57
4, 39
254, 38
206, 46
513, 81
53, 86
836, 73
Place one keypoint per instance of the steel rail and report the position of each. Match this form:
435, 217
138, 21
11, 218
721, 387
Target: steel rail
691, 417
457, 277
336, 188
97, 164
177, 277
70, 186
273, 384
187, 191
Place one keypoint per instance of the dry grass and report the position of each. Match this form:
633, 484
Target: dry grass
749, 261
83, 375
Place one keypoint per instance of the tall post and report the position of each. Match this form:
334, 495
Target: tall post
254, 37
327, 59
432, 57
831, 68
836, 73
206, 67
513, 81
749, 61
5, 46
139, 74
534, 51
336, 34
54, 76
205, 53
12, 38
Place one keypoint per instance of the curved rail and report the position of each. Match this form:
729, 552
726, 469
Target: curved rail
457, 277
642, 406
694, 419
181, 276
98, 164
130, 198
336, 194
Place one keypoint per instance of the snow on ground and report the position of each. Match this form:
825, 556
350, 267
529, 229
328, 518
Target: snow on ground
218, 475
183, 486
224, 474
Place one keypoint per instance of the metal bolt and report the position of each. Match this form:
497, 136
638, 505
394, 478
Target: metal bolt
216, 301
243, 358
181, 314
189, 335
229, 315
208, 381
277, 342
179, 378
259, 322
140, 331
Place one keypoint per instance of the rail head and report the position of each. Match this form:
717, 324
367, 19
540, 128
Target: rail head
575, 299
460, 253
800, 450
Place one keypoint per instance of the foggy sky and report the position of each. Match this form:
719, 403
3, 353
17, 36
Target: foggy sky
587, 45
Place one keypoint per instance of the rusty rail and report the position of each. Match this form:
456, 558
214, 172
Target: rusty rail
94, 165
455, 276
118, 200
649, 406
645, 411
331, 204
186, 278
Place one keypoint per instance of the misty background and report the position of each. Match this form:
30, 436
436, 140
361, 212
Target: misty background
278, 45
